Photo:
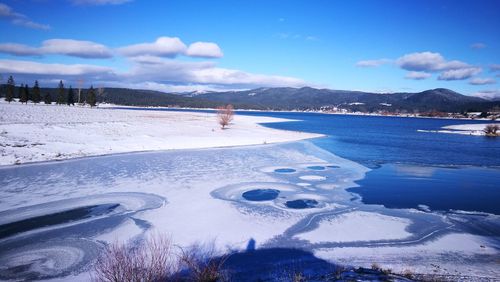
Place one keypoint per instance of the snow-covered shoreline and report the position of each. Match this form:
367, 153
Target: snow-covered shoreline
464, 129
34, 133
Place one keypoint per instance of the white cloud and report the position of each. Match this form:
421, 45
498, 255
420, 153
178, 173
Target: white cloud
478, 45
435, 62
175, 71
459, 74
171, 88
428, 61
160, 73
417, 75
18, 49
34, 68
20, 19
162, 47
482, 81
69, 47
77, 48
488, 94
237, 77
373, 63
99, 2
204, 50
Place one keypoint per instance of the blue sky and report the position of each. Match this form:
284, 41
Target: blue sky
381, 46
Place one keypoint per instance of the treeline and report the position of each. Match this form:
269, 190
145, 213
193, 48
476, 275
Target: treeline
92, 96
60, 95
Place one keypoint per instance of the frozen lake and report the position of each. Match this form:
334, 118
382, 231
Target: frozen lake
55, 217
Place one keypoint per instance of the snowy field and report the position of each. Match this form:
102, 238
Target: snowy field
290, 195
32, 133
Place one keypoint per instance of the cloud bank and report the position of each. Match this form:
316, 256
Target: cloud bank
69, 47
154, 65
482, 81
421, 65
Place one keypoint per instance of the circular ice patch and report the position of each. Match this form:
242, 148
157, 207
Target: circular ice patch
312, 177
258, 195
284, 170
301, 204
316, 167
47, 259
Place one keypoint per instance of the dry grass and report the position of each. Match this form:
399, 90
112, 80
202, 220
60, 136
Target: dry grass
150, 261
203, 264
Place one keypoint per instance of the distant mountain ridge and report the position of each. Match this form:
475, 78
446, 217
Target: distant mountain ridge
305, 98
286, 98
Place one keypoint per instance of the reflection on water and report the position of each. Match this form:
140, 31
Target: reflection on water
440, 188
261, 194
70, 215
416, 171
284, 170
301, 204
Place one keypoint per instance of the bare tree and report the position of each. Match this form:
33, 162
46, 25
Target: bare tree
491, 130
225, 115
80, 86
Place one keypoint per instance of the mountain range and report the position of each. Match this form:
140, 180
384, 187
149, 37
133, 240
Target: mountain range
305, 98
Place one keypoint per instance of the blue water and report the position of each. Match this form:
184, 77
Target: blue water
374, 140
410, 168
259, 195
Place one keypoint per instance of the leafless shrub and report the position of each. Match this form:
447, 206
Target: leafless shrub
407, 273
294, 276
225, 115
376, 266
491, 130
150, 261
203, 264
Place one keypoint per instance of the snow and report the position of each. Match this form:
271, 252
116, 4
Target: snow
346, 228
194, 195
465, 129
312, 177
454, 253
33, 133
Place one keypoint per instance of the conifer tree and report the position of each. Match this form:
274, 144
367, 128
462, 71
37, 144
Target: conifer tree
27, 93
9, 96
36, 93
21, 94
61, 98
47, 99
71, 100
91, 99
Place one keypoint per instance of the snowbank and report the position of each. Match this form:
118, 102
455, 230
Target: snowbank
346, 228
465, 129
32, 133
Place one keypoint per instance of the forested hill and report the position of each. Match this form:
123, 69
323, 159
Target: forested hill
311, 98
285, 98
